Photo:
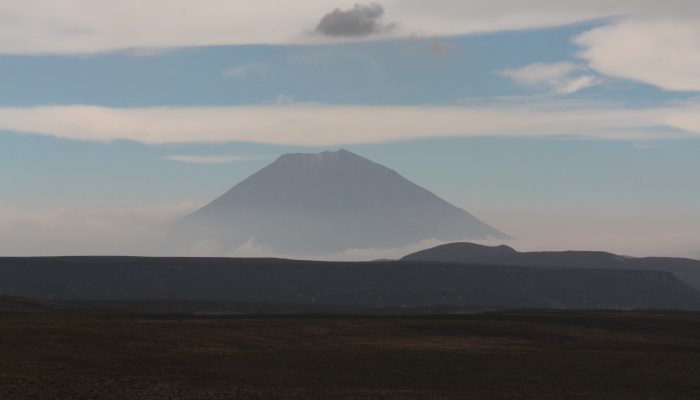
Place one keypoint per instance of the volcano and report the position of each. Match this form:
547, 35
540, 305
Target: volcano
327, 203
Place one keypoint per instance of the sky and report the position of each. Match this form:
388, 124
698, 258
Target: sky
566, 124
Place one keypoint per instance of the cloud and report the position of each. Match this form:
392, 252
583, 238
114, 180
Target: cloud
668, 243
244, 70
88, 26
642, 146
441, 48
322, 125
143, 231
47, 232
575, 84
538, 73
664, 53
252, 249
561, 78
284, 100
630, 230
360, 20
415, 44
686, 118
202, 159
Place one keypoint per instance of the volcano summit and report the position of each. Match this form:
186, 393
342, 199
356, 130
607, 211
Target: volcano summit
327, 203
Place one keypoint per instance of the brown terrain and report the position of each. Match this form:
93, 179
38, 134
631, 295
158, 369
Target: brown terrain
78, 354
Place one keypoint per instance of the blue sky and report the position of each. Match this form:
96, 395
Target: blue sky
543, 127
394, 72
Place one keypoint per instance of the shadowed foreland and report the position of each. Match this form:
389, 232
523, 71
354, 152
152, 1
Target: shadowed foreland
685, 269
381, 284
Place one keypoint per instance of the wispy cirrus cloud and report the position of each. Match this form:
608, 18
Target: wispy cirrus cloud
144, 231
561, 78
215, 159
664, 52
245, 70
59, 231
642, 40
324, 125
88, 26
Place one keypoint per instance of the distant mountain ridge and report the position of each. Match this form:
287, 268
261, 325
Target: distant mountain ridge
387, 284
329, 202
685, 269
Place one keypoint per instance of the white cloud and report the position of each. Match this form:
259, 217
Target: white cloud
284, 100
46, 232
562, 77
669, 243
88, 26
686, 118
245, 70
252, 249
630, 230
319, 125
663, 53
649, 41
142, 231
535, 74
206, 159
573, 85
449, 17
440, 48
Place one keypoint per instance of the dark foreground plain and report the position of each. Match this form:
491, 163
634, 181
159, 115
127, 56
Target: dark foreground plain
68, 354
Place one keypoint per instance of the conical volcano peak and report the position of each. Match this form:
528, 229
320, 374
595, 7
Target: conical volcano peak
324, 164
329, 202
322, 154
329, 156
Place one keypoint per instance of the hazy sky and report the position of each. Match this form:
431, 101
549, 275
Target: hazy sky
566, 124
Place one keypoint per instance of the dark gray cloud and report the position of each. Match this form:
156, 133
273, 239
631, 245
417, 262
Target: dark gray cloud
360, 20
